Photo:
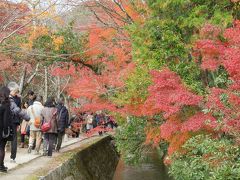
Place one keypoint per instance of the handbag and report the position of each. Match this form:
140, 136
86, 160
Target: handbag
46, 126
37, 120
23, 128
9, 135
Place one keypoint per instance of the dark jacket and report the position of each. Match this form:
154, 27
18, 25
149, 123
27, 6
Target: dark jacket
5, 118
18, 101
49, 114
17, 113
62, 117
30, 102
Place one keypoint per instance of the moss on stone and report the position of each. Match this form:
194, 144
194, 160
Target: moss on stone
71, 163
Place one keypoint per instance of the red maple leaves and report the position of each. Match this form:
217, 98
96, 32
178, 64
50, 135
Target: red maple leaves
199, 121
167, 94
223, 48
215, 52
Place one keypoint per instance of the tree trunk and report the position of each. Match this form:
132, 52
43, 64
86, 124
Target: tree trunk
204, 77
22, 80
29, 80
58, 86
5, 78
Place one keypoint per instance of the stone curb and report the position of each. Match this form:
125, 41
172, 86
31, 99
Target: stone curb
38, 156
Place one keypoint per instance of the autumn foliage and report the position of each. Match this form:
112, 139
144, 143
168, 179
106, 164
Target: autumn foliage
12, 16
99, 68
217, 112
168, 94
224, 103
107, 60
184, 113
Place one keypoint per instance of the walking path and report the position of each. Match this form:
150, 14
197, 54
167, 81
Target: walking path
28, 166
24, 157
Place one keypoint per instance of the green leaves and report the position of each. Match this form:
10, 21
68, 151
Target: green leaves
206, 158
135, 87
129, 140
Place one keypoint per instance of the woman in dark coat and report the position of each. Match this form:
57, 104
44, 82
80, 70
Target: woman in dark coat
49, 114
62, 121
5, 124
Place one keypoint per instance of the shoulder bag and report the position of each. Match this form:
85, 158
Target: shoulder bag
37, 120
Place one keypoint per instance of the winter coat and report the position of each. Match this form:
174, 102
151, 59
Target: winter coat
49, 114
5, 118
30, 102
37, 108
18, 101
17, 113
62, 117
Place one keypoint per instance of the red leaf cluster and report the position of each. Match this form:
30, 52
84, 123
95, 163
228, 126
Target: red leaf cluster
94, 107
12, 16
167, 94
198, 122
63, 69
213, 52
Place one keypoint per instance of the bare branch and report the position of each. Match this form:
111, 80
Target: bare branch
25, 24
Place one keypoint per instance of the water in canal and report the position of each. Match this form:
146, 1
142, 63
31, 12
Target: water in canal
152, 169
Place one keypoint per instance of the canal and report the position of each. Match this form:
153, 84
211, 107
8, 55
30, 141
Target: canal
152, 169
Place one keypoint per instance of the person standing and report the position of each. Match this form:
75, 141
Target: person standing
24, 126
89, 122
34, 111
49, 115
31, 97
17, 114
62, 121
5, 124
17, 100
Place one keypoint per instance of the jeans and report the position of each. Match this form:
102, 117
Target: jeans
49, 139
2, 151
60, 136
14, 143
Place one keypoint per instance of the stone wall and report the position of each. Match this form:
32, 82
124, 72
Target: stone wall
96, 161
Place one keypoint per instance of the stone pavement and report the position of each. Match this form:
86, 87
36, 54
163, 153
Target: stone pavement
28, 166
24, 157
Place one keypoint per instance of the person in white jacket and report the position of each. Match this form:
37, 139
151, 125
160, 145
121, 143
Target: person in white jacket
34, 111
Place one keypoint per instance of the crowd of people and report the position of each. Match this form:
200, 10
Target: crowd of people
44, 123
87, 122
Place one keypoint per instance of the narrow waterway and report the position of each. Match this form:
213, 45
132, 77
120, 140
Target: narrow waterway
152, 169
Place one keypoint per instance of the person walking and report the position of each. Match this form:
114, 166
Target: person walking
62, 121
49, 116
17, 114
24, 126
34, 112
31, 98
6, 132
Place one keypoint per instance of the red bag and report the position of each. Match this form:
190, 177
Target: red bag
46, 127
